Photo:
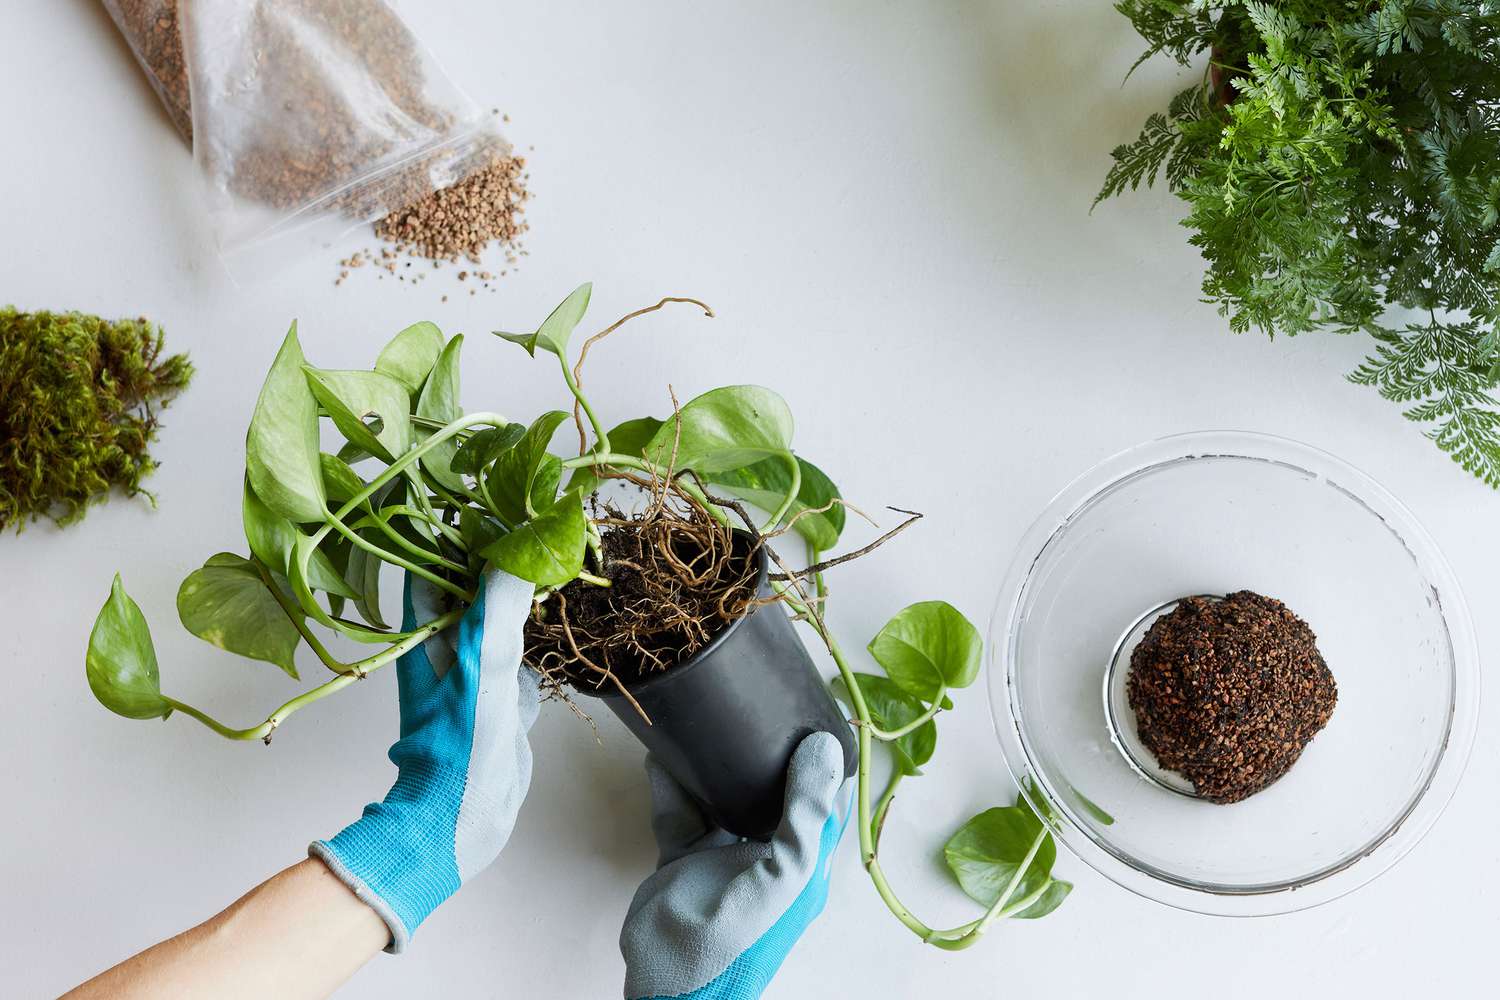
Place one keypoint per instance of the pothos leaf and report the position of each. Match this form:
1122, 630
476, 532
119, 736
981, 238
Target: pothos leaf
766, 483
227, 603
340, 482
547, 550
271, 538
524, 478
927, 645
987, 851
121, 662
555, 330
410, 355
371, 410
891, 708
484, 446
281, 448
439, 401
725, 429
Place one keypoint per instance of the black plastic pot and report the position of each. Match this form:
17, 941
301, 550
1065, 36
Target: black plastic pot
725, 723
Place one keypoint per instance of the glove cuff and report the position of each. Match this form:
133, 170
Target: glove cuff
402, 882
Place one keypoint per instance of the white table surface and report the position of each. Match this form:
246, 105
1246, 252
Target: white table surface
888, 204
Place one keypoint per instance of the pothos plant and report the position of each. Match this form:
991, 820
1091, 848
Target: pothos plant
453, 493
1340, 161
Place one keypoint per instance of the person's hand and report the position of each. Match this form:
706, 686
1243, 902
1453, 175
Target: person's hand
720, 915
463, 763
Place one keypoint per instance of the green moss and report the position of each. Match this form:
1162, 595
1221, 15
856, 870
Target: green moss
79, 397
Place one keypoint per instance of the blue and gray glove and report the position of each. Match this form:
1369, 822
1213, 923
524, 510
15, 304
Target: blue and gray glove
463, 764
720, 915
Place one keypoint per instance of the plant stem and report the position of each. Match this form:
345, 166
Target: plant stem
791, 493
887, 736
396, 468
597, 581
385, 555
356, 671
601, 436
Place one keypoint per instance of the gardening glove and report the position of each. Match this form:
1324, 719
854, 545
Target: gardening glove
463, 764
720, 914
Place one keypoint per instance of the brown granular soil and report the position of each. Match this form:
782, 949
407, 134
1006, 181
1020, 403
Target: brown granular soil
454, 224
329, 152
151, 28
1228, 693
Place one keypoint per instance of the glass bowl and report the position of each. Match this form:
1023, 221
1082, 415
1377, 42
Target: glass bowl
1208, 514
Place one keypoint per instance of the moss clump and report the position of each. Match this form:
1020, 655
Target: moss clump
78, 402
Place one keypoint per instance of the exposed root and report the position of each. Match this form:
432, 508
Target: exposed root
678, 576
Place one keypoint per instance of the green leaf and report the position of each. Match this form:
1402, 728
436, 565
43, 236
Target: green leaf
410, 355
524, 478
227, 603
547, 550
725, 429
483, 447
281, 448
121, 661
629, 438
555, 330
364, 574
479, 531
926, 645
271, 538
891, 708
1057, 891
439, 401
765, 484
371, 410
987, 851
340, 482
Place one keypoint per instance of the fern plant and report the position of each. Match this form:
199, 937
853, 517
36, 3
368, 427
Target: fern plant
1340, 160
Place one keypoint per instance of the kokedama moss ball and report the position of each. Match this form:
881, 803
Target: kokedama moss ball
1229, 692
78, 402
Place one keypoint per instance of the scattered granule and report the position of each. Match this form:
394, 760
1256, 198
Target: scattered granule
461, 221
1229, 692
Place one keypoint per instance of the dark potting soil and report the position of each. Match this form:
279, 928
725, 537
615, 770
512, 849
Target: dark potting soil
656, 613
1229, 692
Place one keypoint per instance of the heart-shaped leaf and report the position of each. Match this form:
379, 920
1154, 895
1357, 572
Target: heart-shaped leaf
227, 603
927, 645
271, 538
121, 661
524, 478
370, 409
410, 355
629, 438
547, 550
555, 330
891, 708
986, 852
439, 401
281, 448
725, 429
766, 483
484, 446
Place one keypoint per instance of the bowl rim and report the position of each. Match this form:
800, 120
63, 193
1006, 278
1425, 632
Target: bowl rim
1153, 883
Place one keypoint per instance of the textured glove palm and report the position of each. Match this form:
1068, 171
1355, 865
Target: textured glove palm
463, 762
720, 915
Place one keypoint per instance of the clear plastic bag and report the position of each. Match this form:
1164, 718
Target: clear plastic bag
306, 117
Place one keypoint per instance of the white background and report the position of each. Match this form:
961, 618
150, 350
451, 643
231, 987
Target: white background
887, 203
